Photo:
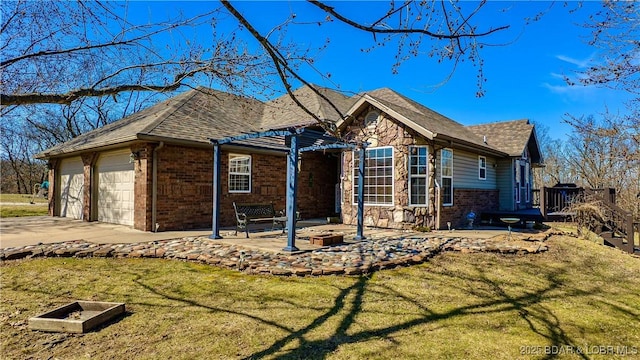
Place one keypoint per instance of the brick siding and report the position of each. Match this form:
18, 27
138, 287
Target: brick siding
466, 200
185, 186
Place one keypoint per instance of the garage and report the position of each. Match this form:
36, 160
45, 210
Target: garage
71, 187
115, 186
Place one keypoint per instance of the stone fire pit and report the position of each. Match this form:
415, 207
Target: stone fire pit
77, 317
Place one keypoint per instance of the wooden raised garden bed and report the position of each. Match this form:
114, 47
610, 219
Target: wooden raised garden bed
77, 317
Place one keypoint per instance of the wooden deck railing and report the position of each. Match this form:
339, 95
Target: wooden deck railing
615, 225
558, 201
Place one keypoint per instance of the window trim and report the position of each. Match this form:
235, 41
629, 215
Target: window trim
527, 182
233, 157
355, 154
442, 176
425, 176
480, 167
517, 180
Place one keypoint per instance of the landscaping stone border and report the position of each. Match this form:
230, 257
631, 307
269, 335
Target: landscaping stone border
349, 259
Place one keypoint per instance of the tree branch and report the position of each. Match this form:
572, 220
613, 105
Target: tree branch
134, 41
70, 96
283, 67
372, 29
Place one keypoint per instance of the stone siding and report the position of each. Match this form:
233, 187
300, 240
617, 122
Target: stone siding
386, 132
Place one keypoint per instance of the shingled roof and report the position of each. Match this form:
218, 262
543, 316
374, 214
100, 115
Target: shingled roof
284, 112
193, 116
512, 137
423, 119
198, 115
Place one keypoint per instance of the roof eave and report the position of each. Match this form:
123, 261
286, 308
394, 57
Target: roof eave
80, 150
368, 99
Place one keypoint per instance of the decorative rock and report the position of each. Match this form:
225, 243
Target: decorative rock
349, 258
301, 271
281, 272
332, 271
66, 252
104, 252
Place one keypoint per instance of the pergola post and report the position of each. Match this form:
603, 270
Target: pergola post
215, 223
360, 227
292, 193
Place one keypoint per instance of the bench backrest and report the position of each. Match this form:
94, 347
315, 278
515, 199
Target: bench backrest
255, 210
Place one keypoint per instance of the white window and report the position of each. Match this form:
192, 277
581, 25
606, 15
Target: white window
418, 175
528, 183
378, 176
516, 174
239, 173
446, 176
482, 168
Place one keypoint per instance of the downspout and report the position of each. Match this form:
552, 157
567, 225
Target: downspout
154, 188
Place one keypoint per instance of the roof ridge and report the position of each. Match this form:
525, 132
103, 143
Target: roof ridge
162, 116
414, 105
502, 122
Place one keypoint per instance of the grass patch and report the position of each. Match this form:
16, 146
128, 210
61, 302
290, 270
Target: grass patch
472, 306
11, 209
22, 210
21, 198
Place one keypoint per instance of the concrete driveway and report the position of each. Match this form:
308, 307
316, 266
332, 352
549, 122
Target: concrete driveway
31, 230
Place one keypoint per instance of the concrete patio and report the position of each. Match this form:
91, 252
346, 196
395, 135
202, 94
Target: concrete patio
29, 231
263, 252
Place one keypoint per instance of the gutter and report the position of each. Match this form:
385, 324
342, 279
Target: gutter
154, 188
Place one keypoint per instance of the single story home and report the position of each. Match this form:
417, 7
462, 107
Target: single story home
153, 169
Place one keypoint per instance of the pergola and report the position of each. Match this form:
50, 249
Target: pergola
298, 140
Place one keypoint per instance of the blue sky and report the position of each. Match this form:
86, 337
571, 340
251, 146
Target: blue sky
525, 77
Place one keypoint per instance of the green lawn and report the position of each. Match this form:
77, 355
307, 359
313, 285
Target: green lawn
26, 208
471, 306
22, 210
21, 198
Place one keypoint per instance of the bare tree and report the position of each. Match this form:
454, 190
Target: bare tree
605, 153
68, 67
18, 171
47, 44
437, 29
615, 30
58, 52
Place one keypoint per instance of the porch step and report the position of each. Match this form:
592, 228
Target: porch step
611, 240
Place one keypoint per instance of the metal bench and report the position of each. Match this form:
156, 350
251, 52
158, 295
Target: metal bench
256, 213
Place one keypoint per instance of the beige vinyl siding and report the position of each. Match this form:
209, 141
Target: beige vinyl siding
505, 183
466, 173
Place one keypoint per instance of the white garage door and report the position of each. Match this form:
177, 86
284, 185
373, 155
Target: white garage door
71, 187
115, 188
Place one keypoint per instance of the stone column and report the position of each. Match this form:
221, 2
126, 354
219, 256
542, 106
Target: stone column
432, 188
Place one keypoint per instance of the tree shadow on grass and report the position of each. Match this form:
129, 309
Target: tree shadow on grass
492, 296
